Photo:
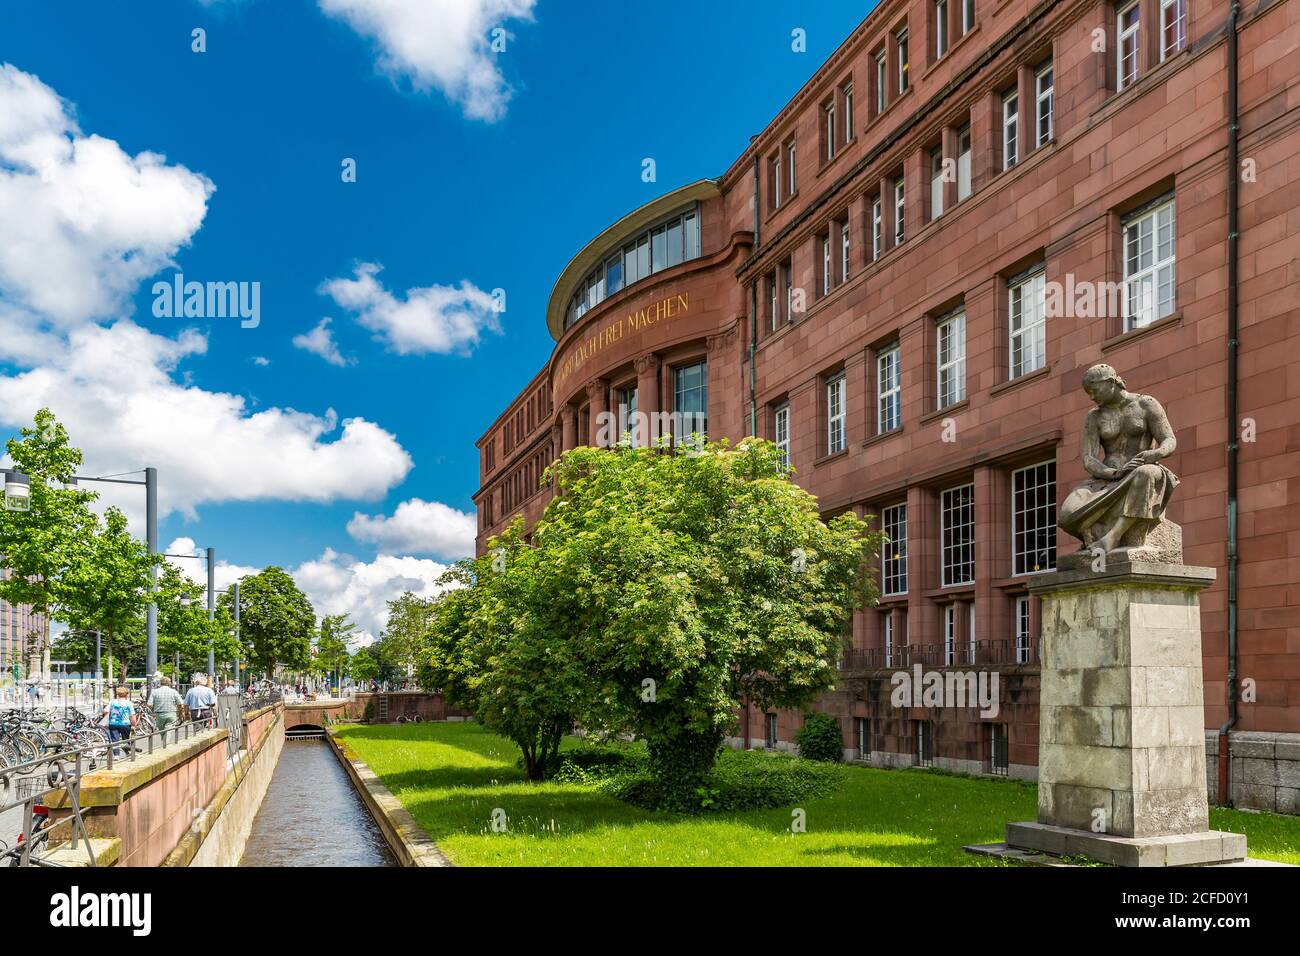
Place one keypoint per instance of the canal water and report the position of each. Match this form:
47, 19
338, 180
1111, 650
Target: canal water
312, 816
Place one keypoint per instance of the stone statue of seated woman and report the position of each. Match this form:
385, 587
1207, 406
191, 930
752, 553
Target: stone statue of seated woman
1122, 507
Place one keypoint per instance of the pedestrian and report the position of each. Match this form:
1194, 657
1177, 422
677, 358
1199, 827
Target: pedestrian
165, 703
121, 716
199, 699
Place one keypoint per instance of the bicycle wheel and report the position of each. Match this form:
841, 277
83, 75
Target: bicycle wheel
8, 755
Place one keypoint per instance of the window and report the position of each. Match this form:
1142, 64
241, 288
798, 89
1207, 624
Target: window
882, 81
893, 554
950, 334
789, 167
1173, 27
901, 41
673, 241
828, 131
862, 736
940, 28
627, 415
889, 392
775, 187
769, 736
949, 634
957, 511
936, 182
1149, 265
1033, 506
877, 224
963, 162
1126, 28
1022, 629
846, 94
998, 763
787, 271
970, 633
967, 16
899, 209
835, 432
1010, 128
691, 400
889, 639
781, 433
924, 743
1043, 87
825, 243
844, 251
773, 301
1027, 308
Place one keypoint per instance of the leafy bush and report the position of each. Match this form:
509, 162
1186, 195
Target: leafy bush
368, 714
591, 763
740, 780
819, 738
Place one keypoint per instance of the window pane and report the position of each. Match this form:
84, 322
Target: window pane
692, 236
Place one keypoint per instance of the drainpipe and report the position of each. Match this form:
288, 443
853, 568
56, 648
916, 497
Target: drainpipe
1225, 745
753, 319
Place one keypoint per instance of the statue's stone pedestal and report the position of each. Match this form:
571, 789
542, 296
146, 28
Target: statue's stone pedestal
1121, 752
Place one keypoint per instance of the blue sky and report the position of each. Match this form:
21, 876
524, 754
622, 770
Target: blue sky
475, 171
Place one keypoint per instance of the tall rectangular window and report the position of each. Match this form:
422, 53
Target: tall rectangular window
888, 625
1026, 309
828, 132
940, 28
1033, 517
893, 554
769, 730
924, 743
787, 273
789, 167
1022, 626
862, 735
1149, 265
846, 94
950, 336
826, 282
1044, 91
970, 633
1010, 128
877, 226
773, 301
901, 43
776, 181
889, 392
949, 634
882, 82
936, 182
1127, 24
957, 511
1173, 27
967, 16
691, 400
998, 762
963, 162
844, 251
781, 433
899, 211
836, 390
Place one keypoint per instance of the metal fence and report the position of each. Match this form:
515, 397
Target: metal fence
956, 654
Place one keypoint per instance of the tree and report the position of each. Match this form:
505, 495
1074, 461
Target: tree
684, 584
408, 619
492, 648
183, 624
364, 666
337, 632
109, 589
41, 545
276, 621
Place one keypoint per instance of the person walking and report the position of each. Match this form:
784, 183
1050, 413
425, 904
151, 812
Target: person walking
199, 699
121, 716
165, 703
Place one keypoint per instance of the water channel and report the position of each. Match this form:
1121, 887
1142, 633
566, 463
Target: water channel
312, 816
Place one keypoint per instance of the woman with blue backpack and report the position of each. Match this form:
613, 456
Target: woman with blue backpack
121, 715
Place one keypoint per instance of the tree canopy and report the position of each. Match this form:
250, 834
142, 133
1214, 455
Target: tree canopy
276, 621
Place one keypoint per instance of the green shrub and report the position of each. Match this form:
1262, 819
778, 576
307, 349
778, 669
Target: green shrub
368, 714
590, 763
741, 780
819, 738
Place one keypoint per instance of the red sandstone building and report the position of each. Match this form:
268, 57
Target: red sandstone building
901, 281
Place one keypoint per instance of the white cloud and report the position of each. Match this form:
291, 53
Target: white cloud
83, 221
320, 341
439, 44
418, 527
261, 361
196, 569
113, 389
338, 584
439, 318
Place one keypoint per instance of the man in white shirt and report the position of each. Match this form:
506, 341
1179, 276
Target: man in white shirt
200, 700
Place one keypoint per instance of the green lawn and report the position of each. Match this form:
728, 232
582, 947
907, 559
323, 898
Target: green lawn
453, 776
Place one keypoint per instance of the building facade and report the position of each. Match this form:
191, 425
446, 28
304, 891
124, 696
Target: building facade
901, 281
22, 653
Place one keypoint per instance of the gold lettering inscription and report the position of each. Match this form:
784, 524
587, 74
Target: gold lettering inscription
662, 311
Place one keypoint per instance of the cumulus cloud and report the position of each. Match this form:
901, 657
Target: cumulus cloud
338, 584
83, 221
438, 319
418, 527
196, 569
439, 44
320, 341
